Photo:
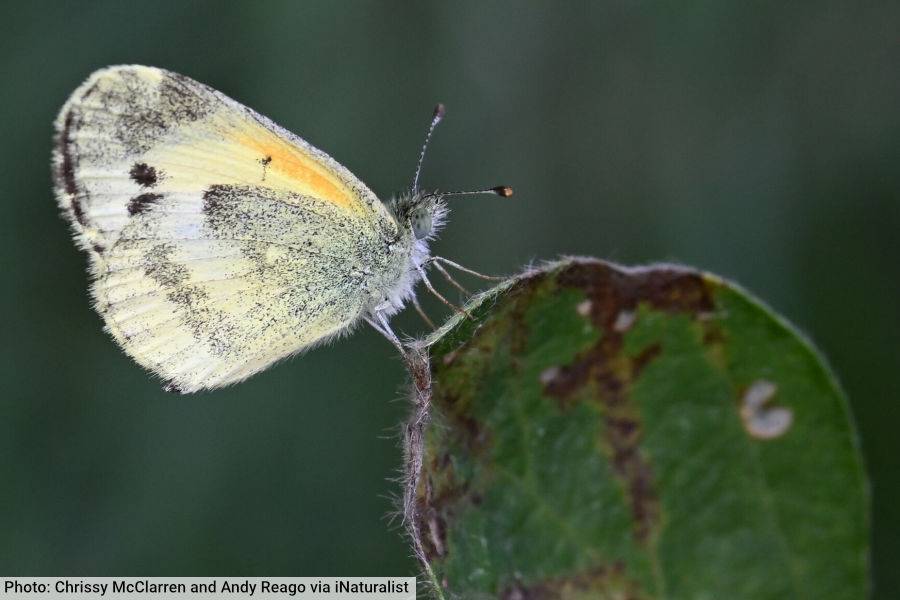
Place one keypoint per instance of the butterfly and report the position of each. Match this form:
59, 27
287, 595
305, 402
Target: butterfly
220, 243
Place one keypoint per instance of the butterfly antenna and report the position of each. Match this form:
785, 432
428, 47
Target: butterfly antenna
500, 190
439, 112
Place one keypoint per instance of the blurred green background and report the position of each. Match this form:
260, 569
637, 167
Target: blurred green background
758, 140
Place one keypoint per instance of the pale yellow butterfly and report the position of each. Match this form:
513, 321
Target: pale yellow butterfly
219, 242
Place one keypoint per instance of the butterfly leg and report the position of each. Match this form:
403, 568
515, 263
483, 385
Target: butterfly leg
418, 307
459, 267
449, 278
380, 324
438, 295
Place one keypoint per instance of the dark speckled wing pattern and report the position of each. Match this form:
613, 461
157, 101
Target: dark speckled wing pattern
219, 243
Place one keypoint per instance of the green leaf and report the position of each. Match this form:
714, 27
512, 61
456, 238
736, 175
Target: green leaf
601, 432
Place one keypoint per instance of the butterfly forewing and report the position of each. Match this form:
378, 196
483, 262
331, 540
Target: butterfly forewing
219, 242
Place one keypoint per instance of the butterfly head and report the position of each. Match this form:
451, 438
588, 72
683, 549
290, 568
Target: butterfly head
424, 213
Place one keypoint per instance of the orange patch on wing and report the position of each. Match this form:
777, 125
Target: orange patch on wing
310, 176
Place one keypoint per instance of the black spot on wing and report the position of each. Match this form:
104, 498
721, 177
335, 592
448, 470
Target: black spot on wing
90, 91
207, 322
67, 169
142, 203
286, 219
154, 109
68, 163
215, 197
265, 163
183, 98
143, 174
160, 267
225, 212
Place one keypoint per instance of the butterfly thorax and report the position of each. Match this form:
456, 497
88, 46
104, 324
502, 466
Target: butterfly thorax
418, 217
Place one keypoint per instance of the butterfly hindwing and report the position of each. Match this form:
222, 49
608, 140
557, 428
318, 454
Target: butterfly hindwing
219, 242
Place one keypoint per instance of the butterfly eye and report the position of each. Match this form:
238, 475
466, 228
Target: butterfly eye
422, 223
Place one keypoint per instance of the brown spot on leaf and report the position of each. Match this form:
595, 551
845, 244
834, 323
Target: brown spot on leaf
611, 290
569, 378
474, 436
623, 436
613, 299
714, 340
433, 509
713, 335
442, 492
142, 203
143, 174
644, 358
